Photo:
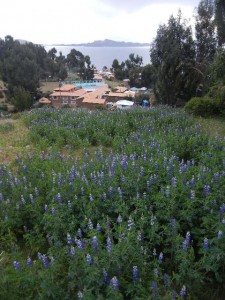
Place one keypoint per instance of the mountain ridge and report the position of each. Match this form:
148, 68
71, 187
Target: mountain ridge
108, 43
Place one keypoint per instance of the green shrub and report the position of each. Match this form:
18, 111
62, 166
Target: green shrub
204, 107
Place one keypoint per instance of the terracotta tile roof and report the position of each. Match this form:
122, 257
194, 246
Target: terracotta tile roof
77, 93
120, 95
44, 100
96, 94
66, 88
120, 89
94, 100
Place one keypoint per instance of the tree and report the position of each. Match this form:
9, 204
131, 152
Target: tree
205, 40
21, 99
220, 21
147, 76
172, 56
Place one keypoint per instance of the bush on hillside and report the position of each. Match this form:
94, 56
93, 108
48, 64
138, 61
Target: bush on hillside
202, 106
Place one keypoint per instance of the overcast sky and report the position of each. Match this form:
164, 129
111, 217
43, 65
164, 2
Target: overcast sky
78, 21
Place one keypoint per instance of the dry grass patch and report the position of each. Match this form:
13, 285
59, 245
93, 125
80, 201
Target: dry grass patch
14, 141
48, 86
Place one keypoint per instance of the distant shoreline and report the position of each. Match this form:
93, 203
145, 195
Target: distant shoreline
105, 43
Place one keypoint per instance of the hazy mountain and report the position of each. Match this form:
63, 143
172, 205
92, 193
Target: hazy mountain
108, 43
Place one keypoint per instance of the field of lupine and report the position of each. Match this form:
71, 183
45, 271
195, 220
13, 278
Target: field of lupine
140, 214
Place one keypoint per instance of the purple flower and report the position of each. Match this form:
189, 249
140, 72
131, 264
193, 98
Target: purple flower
160, 259
95, 243
53, 211
166, 280
88, 259
156, 272
188, 237
72, 251
98, 227
69, 239
184, 245
119, 219
45, 261
46, 208
220, 234
23, 200
59, 199
154, 290
29, 262
16, 265
36, 191
207, 190
91, 198
183, 292
90, 225
31, 199
135, 273
109, 245
206, 244
192, 194
79, 232
167, 192
114, 282
105, 276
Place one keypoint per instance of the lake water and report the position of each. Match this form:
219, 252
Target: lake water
104, 56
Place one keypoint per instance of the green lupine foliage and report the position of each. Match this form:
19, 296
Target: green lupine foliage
153, 200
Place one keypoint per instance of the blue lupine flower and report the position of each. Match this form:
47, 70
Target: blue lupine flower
16, 265
188, 238
174, 182
29, 262
36, 191
88, 259
119, 192
109, 245
72, 251
23, 200
135, 273
154, 290
105, 276
59, 199
45, 261
79, 232
69, 204
69, 239
119, 219
53, 211
156, 272
160, 259
207, 190
90, 225
166, 280
110, 192
31, 198
98, 227
80, 295
183, 292
184, 245
104, 196
114, 282
205, 244
46, 208
220, 234
192, 194
167, 192
130, 224
91, 198
95, 243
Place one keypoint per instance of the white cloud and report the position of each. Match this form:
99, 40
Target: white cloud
76, 21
